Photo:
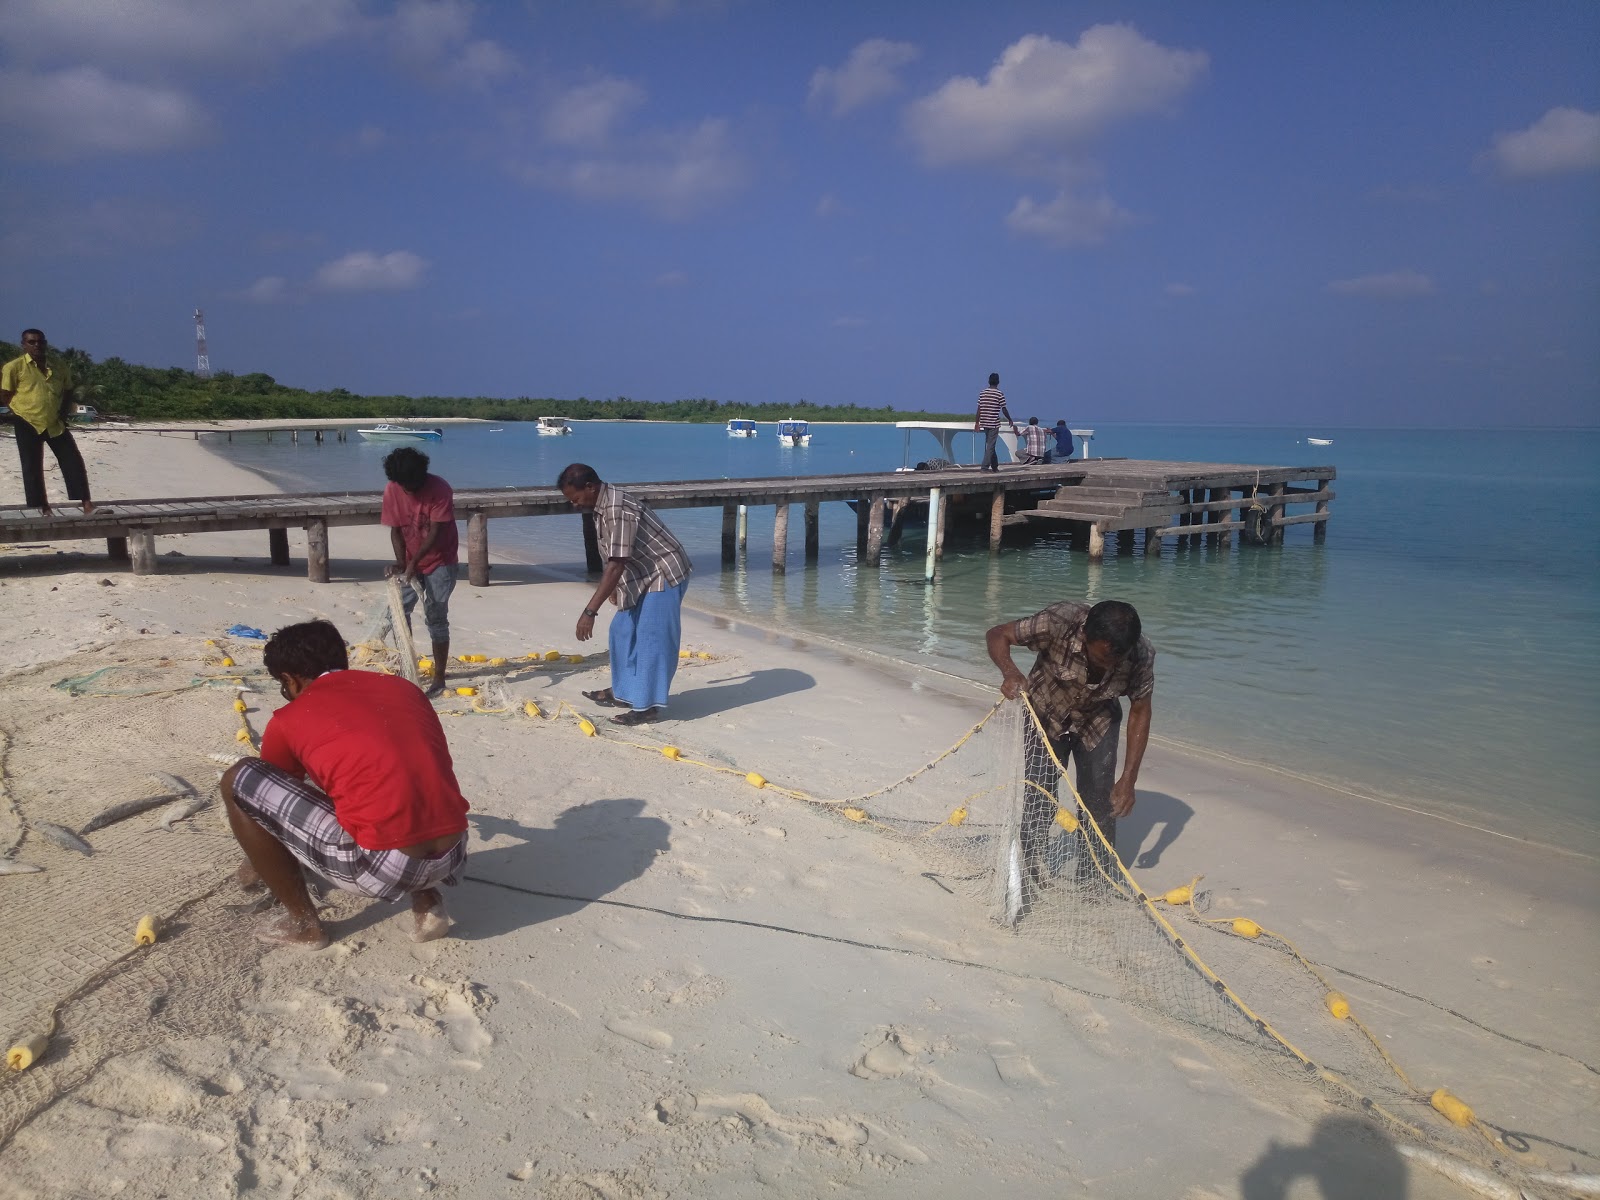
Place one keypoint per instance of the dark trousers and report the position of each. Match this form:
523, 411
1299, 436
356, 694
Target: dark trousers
991, 456
1097, 772
30, 449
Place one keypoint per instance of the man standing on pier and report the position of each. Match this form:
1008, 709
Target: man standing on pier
1088, 659
992, 403
419, 510
39, 393
646, 574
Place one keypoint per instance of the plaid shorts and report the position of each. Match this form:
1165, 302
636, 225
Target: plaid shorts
301, 817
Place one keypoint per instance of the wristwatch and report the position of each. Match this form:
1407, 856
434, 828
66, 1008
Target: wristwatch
591, 612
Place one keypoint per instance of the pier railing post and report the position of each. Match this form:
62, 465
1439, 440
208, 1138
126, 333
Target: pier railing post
317, 550
935, 527
730, 533
874, 527
811, 531
591, 546
780, 540
478, 549
997, 516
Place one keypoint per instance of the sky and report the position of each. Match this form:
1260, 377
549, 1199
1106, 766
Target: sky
1321, 215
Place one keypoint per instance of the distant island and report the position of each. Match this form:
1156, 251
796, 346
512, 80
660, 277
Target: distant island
125, 389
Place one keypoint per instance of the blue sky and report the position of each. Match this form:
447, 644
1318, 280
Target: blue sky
1340, 214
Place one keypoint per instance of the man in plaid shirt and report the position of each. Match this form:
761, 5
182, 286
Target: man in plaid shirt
1088, 659
646, 574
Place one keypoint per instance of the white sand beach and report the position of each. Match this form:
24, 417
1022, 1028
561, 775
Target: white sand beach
664, 982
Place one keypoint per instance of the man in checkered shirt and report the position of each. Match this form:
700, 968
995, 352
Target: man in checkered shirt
645, 576
1088, 658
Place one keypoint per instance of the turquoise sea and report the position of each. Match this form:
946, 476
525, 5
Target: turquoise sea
1441, 648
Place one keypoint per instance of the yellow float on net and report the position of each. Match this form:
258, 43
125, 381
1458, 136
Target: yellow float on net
424, 664
466, 691
532, 709
958, 816
226, 661
587, 726
242, 735
1337, 1005
497, 662
147, 931
671, 752
685, 653
703, 654
756, 781
1245, 927
855, 814
1452, 1107
238, 706
574, 658
1066, 820
477, 658
27, 1052
1179, 895
552, 656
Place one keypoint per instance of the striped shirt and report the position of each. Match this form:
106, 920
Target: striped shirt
991, 403
628, 530
1059, 687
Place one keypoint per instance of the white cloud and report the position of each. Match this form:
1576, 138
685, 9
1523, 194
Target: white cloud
269, 289
1071, 219
1392, 285
364, 271
165, 31
1180, 289
586, 115
63, 114
1563, 140
1044, 97
434, 39
868, 74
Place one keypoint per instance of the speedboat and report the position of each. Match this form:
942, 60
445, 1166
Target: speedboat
1320, 441
553, 426
741, 428
793, 433
401, 433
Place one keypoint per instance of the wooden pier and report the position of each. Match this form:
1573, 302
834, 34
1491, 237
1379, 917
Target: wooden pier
1182, 500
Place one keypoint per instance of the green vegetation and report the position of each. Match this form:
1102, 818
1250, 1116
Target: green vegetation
174, 394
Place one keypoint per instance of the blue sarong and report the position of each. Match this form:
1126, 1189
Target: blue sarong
644, 648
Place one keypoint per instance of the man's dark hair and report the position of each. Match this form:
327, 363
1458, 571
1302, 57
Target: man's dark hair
1114, 621
1033, 420
994, 379
577, 475
26, 332
406, 466
1063, 421
306, 650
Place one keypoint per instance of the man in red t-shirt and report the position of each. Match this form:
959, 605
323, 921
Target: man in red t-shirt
419, 510
354, 782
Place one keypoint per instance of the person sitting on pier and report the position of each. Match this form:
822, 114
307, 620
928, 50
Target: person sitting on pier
646, 574
1035, 444
1088, 659
38, 391
1064, 446
991, 404
354, 783
419, 509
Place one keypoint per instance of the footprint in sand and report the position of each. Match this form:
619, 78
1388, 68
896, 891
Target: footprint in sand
886, 1058
149, 1139
637, 1031
1014, 1068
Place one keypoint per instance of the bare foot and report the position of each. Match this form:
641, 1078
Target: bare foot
290, 930
430, 919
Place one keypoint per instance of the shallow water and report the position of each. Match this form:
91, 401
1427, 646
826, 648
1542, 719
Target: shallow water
1440, 648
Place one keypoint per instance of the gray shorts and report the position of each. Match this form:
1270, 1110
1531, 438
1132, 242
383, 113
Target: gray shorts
436, 588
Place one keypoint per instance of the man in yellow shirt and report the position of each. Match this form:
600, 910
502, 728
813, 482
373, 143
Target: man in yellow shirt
38, 392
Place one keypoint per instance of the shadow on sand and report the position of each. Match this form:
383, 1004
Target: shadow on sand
735, 691
1348, 1158
591, 850
1153, 812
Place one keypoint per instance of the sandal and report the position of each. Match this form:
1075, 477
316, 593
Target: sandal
639, 716
606, 699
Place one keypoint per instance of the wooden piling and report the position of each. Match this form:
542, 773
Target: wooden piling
780, 540
812, 535
317, 551
1152, 540
142, 547
730, 533
1097, 543
117, 548
278, 546
874, 527
863, 518
1276, 510
936, 528
478, 549
744, 527
997, 516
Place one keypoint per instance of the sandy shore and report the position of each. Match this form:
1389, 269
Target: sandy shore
666, 983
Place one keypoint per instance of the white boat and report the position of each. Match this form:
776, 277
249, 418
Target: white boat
1320, 441
553, 426
793, 433
741, 428
401, 433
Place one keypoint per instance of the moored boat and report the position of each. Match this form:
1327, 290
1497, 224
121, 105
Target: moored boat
553, 426
741, 428
401, 433
794, 433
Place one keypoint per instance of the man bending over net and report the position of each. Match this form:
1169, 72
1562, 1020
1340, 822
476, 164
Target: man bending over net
354, 783
1088, 659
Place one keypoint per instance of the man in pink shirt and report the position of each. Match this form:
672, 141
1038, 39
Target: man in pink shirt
419, 510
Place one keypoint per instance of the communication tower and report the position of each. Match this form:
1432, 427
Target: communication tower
202, 361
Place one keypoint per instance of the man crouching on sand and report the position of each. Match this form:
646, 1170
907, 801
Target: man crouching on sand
389, 820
